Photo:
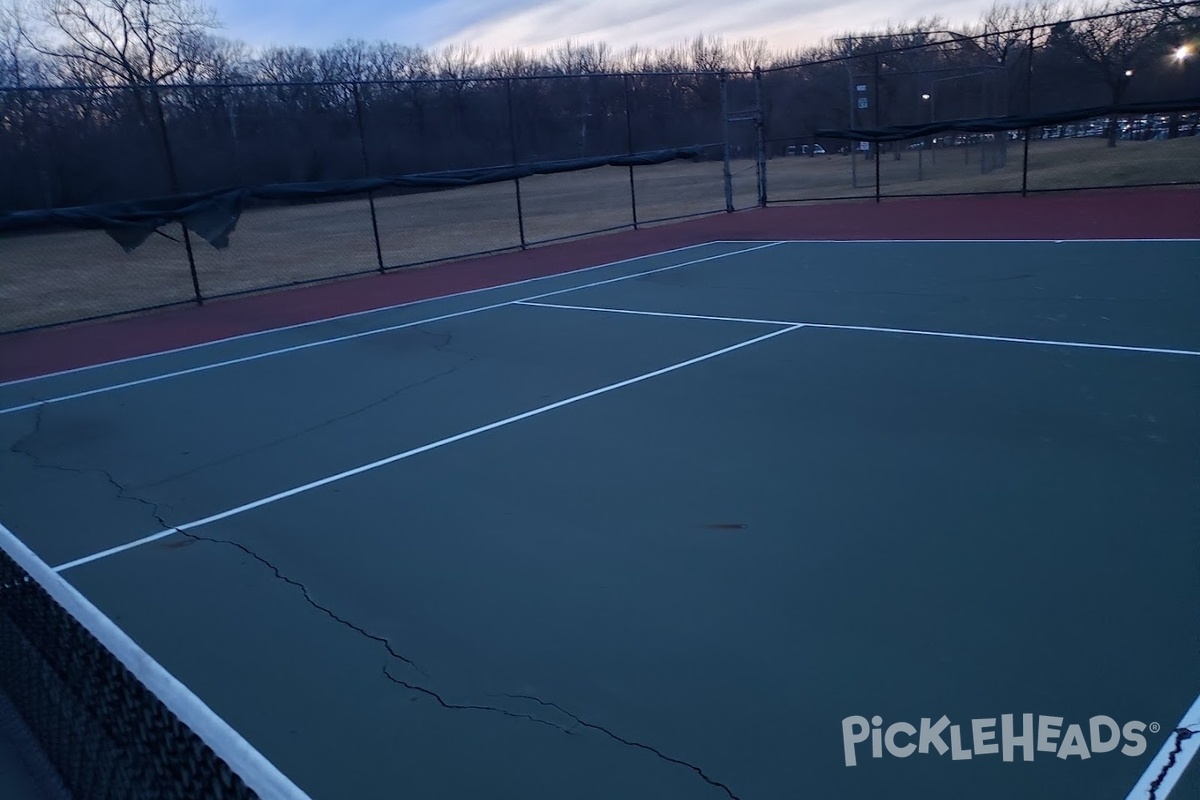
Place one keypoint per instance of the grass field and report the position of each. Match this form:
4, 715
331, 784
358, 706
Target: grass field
1053, 164
62, 276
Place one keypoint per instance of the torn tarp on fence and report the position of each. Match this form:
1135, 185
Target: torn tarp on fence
214, 215
896, 133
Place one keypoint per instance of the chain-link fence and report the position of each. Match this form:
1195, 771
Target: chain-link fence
955, 114
941, 113
79, 147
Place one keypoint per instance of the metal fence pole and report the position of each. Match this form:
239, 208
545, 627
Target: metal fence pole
512, 143
629, 146
1028, 112
173, 182
760, 116
366, 160
878, 195
848, 63
728, 171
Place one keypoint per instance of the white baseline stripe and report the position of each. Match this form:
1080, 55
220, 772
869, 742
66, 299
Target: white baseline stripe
654, 313
416, 451
324, 320
872, 329
360, 334
1015, 339
1141, 790
946, 241
255, 770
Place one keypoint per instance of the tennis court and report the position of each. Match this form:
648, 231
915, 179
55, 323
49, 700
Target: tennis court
679, 526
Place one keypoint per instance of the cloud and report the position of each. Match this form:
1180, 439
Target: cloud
784, 24
316, 23
495, 25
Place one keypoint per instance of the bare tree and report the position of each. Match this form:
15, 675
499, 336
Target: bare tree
287, 65
125, 41
1189, 15
514, 64
709, 54
388, 61
1004, 27
213, 59
12, 50
457, 62
1114, 47
747, 54
581, 58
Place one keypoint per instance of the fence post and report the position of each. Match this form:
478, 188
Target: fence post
362, 143
512, 144
1028, 112
629, 145
173, 182
727, 176
877, 159
761, 125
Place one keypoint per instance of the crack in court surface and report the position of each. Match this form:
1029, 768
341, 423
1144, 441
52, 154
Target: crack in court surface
18, 448
438, 697
577, 722
627, 742
390, 396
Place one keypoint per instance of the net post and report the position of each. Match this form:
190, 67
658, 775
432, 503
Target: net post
173, 182
629, 147
366, 161
761, 127
512, 145
878, 194
727, 176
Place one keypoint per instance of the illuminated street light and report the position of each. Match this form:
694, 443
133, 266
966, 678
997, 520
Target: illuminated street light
1183, 53
1128, 73
925, 96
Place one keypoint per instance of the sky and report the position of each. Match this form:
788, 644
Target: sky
495, 25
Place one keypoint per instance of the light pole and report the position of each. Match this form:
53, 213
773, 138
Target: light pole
929, 140
1180, 56
853, 102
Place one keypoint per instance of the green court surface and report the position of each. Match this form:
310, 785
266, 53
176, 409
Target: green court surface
713, 523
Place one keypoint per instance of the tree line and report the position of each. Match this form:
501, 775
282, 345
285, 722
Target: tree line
106, 100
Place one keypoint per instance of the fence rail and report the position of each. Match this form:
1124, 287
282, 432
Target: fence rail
792, 133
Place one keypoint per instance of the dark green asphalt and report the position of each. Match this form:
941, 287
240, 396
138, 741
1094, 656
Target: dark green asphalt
687, 583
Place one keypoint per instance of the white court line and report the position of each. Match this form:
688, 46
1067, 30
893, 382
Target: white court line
1014, 339
1188, 749
654, 313
255, 770
945, 241
324, 320
556, 275
361, 334
872, 329
415, 451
